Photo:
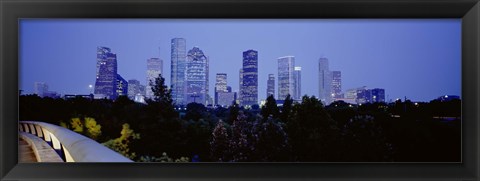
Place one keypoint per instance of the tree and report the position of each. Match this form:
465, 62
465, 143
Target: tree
270, 108
161, 93
364, 141
162, 98
313, 133
88, 127
234, 110
122, 143
195, 111
94, 130
163, 158
219, 143
120, 105
271, 142
240, 147
286, 108
341, 112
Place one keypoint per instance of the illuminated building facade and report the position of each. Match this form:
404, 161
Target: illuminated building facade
178, 69
102, 53
240, 87
297, 83
220, 85
133, 88
196, 77
40, 88
154, 68
122, 86
271, 85
249, 89
324, 81
336, 84
285, 77
106, 82
378, 95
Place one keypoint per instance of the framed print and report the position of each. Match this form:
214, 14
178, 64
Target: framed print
223, 90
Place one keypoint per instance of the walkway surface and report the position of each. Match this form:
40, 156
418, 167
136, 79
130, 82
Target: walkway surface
25, 152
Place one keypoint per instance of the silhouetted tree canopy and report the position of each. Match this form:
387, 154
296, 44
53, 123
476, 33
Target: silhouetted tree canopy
270, 108
401, 131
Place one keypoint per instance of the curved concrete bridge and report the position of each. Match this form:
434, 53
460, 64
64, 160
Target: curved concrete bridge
44, 142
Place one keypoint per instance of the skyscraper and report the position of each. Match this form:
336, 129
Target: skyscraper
154, 68
249, 89
285, 76
133, 88
106, 82
378, 95
178, 69
122, 86
226, 99
207, 88
196, 77
41, 88
336, 85
351, 93
220, 85
297, 83
363, 95
324, 81
271, 85
240, 86
102, 53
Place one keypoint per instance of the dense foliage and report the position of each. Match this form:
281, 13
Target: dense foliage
301, 132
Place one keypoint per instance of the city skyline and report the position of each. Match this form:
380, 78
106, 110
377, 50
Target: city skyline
441, 55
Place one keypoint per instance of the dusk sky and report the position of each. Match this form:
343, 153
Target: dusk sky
420, 59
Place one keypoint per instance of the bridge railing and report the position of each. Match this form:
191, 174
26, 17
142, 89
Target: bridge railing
71, 146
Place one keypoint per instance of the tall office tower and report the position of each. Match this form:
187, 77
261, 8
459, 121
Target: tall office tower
154, 68
102, 53
41, 88
363, 95
297, 83
106, 83
196, 77
220, 85
249, 89
271, 85
133, 88
325, 81
350, 96
226, 99
122, 86
178, 69
378, 95
240, 86
207, 88
285, 76
336, 91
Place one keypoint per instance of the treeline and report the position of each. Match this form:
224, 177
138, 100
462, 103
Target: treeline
295, 132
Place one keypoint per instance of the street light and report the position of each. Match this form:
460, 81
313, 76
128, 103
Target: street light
90, 87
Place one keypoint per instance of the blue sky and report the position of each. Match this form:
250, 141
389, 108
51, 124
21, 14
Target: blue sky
417, 58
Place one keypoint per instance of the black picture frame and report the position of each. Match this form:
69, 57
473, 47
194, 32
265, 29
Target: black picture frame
12, 10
